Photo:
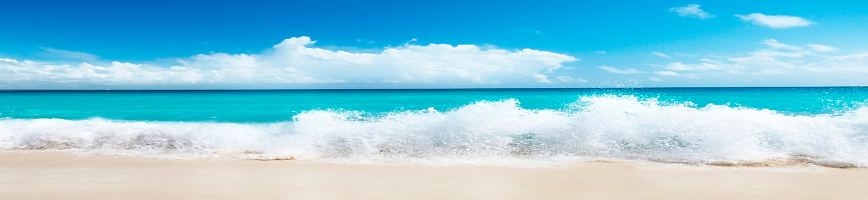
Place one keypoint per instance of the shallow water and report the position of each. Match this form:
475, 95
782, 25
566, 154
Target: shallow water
460, 126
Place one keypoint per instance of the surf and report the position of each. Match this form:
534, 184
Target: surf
593, 127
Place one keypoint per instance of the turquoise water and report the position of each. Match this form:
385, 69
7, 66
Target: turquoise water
281, 105
825, 125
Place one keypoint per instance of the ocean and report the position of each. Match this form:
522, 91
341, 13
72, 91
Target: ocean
524, 127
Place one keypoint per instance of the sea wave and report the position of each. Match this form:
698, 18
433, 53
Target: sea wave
596, 127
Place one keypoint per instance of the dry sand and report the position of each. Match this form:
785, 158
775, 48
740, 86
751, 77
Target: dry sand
59, 175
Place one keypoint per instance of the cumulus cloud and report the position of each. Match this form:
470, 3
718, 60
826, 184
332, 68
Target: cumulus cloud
294, 61
775, 21
621, 71
691, 10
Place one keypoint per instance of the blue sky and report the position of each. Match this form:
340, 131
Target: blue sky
437, 44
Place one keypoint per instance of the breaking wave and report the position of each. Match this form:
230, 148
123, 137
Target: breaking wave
595, 127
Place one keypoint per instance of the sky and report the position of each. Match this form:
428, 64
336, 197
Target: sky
430, 44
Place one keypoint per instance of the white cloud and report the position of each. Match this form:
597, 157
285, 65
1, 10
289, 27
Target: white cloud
8, 60
691, 10
662, 55
684, 54
114, 73
858, 56
678, 66
621, 71
568, 79
775, 21
667, 73
776, 53
68, 55
293, 61
822, 48
777, 64
850, 64
780, 59
778, 45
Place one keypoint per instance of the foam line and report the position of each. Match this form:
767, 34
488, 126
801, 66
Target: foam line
604, 126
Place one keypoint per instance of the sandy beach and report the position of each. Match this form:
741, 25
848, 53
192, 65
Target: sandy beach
62, 175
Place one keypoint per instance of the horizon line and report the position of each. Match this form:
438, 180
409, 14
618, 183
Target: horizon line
504, 88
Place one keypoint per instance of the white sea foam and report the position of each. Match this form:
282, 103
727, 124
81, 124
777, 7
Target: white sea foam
599, 127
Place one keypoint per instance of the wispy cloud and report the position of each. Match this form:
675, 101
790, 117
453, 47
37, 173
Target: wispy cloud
778, 45
662, 55
684, 54
294, 61
691, 10
822, 48
621, 71
8, 60
528, 30
667, 73
775, 21
366, 41
781, 62
568, 79
705, 65
67, 55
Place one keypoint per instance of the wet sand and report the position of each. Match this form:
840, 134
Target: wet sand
62, 175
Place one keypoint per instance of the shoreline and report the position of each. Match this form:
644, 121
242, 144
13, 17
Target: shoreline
64, 175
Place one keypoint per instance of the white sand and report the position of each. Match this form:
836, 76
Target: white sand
58, 175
